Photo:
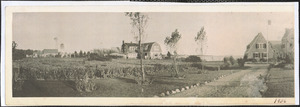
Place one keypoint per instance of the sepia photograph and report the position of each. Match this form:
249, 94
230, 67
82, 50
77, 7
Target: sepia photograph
153, 54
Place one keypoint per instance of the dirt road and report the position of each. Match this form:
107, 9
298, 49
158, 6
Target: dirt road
246, 83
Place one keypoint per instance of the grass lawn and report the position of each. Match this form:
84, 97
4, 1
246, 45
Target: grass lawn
117, 87
281, 83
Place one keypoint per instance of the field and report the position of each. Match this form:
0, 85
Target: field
281, 83
56, 77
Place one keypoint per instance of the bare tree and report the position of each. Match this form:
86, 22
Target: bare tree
201, 40
171, 43
139, 24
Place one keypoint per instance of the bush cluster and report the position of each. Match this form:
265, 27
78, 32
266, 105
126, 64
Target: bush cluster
228, 62
94, 56
193, 58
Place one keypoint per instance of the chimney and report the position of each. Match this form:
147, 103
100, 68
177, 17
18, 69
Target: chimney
123, 42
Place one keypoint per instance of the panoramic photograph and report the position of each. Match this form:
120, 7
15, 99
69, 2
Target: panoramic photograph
153, 54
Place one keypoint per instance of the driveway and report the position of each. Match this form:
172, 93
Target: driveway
246, 83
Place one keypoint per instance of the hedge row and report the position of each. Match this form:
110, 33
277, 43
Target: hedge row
45, 72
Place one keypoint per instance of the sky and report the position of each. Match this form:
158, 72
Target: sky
228, 33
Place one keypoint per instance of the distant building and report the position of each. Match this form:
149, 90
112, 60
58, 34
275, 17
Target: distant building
288, 42
276, 46
37, 53
257, 49
49, 52
151, 50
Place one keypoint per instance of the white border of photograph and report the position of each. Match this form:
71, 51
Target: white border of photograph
123, 6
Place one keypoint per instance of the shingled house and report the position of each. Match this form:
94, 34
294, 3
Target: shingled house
287, 42
257, 49
151, 50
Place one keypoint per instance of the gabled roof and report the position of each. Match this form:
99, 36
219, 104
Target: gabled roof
256, 38
289, 34
131, 44
146, 46
50, 51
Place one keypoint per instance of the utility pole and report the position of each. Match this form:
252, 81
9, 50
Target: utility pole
269, 23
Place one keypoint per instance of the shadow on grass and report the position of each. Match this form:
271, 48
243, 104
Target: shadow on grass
169, 83
236, 68
70, 84
127, 80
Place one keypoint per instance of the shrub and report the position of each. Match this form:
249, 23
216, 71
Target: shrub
263, 60
85, 84
193, 58
226, 61
270, 67
241, 62
280, 65
94, 56
168, 55
197, 65
18, 85
232, 60
147, 81
114, 56
289, 59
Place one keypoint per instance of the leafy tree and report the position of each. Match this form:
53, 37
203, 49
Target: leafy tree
29, 52
84, 54
241, 62
172, 43
80, 53
232, 60
88, 54
139, 24
201, 40
75, 54
17, 54
226, 61
14, 46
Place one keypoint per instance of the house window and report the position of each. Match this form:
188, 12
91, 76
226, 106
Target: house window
291, 45
145, 54
256, 55
264, 54
265, 46
282, 46
260, 46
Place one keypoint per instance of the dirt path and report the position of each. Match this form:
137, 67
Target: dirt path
245, 83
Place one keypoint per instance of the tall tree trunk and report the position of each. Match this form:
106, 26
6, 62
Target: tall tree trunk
141, 61
175, 65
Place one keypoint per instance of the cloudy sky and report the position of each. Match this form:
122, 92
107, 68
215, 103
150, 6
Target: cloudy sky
227, 33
